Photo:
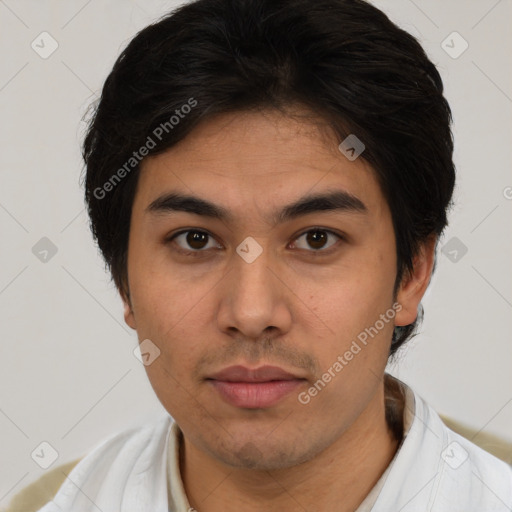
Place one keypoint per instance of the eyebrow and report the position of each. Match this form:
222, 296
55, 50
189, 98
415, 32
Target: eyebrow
338, 200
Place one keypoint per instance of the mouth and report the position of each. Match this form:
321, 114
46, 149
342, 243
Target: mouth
258, 388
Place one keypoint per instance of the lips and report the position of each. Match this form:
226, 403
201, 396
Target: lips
257, 388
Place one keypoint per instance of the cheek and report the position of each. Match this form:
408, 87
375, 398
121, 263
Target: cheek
171, 319
357, 335
351, 304
164, 296
173, 312
354, 295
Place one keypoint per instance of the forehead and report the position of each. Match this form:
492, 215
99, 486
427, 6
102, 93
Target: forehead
245, 161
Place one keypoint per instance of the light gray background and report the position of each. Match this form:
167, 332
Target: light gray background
68, 375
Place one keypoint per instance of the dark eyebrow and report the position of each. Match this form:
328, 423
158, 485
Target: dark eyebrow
339, 200
176, 202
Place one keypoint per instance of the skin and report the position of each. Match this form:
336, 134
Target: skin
292, 307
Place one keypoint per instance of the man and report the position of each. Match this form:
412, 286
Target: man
268, 181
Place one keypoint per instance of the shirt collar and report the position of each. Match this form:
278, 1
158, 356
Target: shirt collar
400, 401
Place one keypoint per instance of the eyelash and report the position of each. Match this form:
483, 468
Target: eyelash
199, 252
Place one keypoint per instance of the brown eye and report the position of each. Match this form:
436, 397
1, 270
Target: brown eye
192, 240
317, 239
196, 239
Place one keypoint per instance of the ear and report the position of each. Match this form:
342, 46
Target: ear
129, 316
415, 283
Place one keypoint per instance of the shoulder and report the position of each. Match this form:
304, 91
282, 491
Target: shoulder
489, 478
467, 475
120, 448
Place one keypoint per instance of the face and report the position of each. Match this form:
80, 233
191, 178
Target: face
250, 281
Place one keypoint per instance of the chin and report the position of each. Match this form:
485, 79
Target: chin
262, 455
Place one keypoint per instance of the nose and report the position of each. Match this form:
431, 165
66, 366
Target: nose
254, 298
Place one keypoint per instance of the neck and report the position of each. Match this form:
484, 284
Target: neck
345, 472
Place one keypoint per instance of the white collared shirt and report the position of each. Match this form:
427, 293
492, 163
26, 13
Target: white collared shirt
434, 470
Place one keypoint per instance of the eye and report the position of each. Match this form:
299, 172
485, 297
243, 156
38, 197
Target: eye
317, 238
192, 239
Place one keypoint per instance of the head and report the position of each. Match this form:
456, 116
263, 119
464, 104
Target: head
237, 231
